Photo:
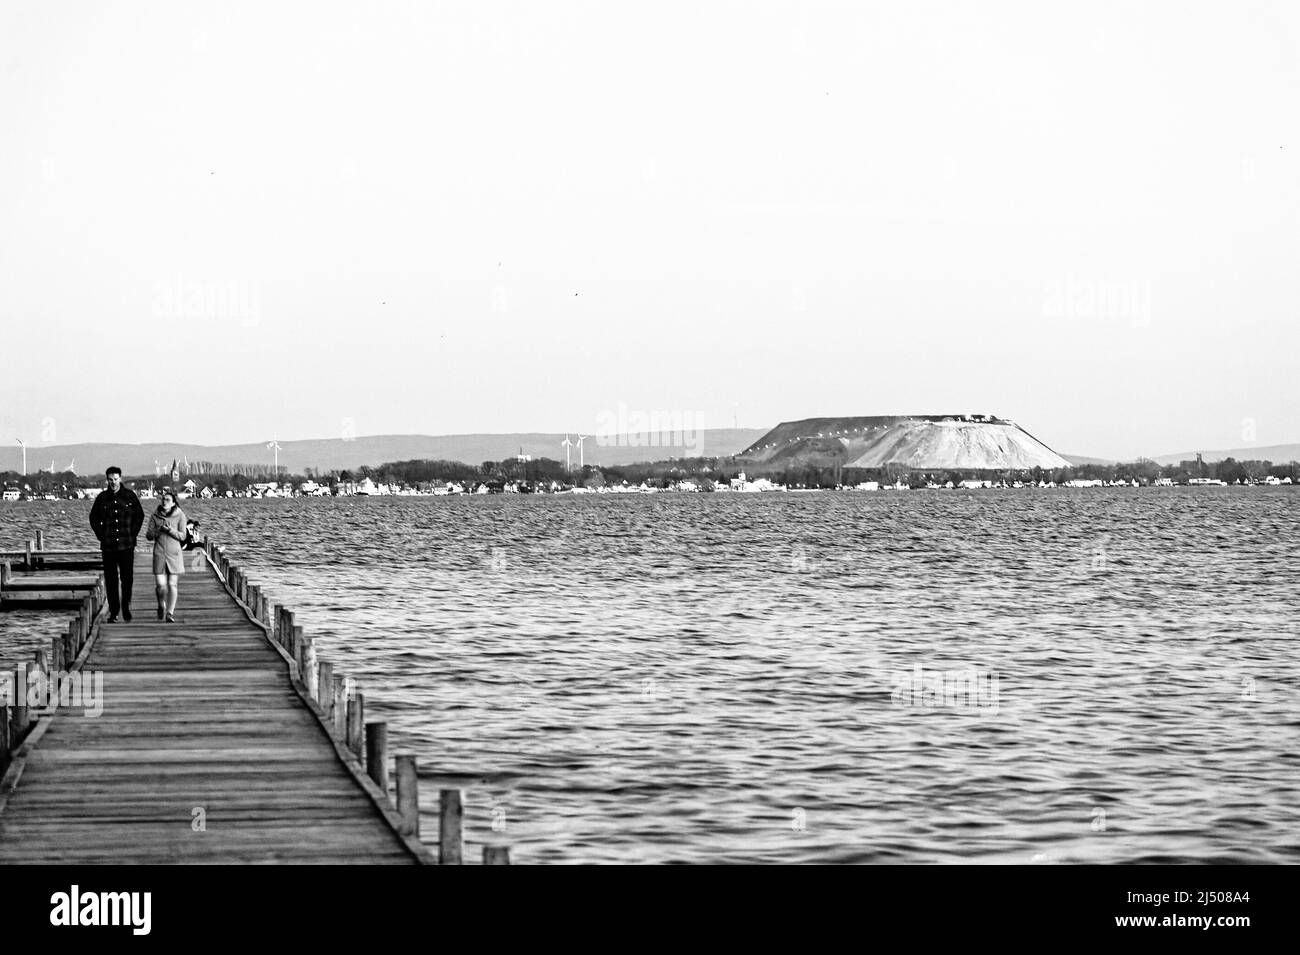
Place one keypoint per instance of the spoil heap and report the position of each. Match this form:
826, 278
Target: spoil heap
917, 442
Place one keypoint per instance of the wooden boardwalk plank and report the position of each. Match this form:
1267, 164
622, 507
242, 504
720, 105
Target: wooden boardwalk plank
197, 714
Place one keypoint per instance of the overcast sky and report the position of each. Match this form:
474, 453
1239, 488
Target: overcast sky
223, 222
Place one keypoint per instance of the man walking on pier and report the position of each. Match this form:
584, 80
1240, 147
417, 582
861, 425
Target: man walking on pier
116, 518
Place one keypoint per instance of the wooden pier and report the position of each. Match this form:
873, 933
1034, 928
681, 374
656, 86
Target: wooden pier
222, 739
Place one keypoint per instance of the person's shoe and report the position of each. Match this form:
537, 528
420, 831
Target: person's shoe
171, 619
112, 618
126, 615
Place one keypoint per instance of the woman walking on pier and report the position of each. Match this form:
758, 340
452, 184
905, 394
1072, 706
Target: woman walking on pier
167, 531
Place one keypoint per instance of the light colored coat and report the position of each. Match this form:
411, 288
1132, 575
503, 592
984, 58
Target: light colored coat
167, 531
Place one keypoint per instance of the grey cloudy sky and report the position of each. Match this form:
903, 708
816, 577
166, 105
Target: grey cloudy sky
226, 221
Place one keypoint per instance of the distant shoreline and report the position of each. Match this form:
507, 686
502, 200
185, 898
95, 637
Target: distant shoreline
749, 489
524, 474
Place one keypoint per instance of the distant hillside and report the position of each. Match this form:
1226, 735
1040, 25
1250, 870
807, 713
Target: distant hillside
1080, 459
1277, 453
921, 442
337, 454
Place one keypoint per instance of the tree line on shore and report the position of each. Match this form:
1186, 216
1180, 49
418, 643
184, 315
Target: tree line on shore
702, 472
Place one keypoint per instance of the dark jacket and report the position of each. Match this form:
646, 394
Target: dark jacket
116, 519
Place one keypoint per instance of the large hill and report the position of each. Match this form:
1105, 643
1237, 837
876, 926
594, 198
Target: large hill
336, 454
921, 442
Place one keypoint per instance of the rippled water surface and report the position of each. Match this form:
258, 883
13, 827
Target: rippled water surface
710, 678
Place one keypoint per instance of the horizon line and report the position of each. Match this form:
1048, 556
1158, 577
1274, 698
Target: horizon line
501, 434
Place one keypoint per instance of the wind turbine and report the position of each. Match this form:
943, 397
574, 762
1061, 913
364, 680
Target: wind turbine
24, 445
582, 462
71, 465
275, 445
567, 444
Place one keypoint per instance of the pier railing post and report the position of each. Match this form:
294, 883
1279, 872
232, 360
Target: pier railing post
408, 795
340, 707
27, 563
21, 720
356, 719
5, 571
496, 855
377, 754
450, 844
38, 674
325, 690
307, 663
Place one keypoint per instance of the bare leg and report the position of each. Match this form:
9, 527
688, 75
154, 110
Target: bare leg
160, 592
173, 593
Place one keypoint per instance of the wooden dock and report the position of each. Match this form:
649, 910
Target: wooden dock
221, 740
44, 591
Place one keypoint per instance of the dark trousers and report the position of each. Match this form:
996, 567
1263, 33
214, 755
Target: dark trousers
119, 568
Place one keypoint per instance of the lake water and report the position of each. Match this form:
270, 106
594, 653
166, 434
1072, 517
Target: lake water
1101, 675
